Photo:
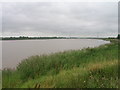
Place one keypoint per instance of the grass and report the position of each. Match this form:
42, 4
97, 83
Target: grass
0, 79
87, 68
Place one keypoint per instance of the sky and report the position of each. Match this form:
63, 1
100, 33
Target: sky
79, 19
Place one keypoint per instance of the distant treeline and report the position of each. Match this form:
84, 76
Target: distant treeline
118, 36
25, 38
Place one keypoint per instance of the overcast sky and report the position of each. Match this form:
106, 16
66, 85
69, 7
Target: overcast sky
82, 19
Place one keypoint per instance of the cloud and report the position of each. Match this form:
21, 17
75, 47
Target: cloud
60, 19
0, 20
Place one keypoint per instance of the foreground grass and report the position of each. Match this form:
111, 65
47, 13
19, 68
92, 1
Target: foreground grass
87, 68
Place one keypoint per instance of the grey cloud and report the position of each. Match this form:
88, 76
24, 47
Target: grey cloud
0, 20
74, 19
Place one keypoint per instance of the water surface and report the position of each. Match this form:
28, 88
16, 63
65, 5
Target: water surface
13, 51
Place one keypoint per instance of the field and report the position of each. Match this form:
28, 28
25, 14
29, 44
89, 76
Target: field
86, 68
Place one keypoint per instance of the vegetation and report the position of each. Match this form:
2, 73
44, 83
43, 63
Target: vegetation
118, 36
29, 38
87, 68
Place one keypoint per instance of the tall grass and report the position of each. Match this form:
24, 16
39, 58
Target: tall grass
75, 68
0, 79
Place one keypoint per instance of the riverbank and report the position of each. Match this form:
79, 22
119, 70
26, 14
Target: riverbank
86, 68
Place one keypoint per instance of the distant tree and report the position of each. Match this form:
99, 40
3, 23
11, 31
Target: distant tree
118, 36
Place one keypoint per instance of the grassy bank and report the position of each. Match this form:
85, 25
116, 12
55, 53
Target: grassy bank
87, 68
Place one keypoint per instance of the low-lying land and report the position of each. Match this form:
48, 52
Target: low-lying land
33, 38
86, 68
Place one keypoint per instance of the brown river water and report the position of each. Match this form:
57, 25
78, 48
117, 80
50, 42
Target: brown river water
14, 51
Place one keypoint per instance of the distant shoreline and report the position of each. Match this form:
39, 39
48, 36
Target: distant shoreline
43, 38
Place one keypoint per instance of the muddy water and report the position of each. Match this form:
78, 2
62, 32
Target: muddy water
13, 51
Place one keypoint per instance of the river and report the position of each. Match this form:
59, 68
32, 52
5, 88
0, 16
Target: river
13, 51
